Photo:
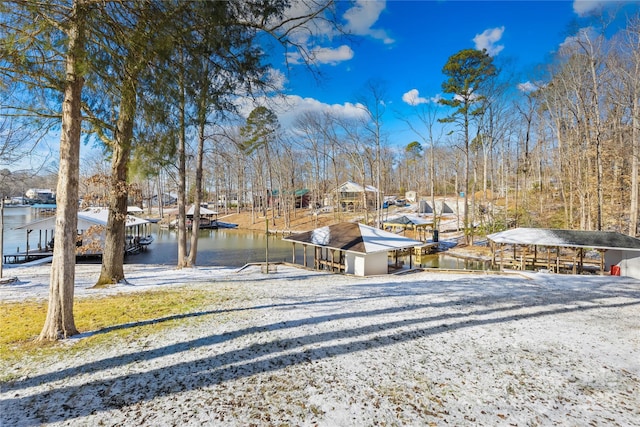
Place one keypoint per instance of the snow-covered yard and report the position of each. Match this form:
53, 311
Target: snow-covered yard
305, 348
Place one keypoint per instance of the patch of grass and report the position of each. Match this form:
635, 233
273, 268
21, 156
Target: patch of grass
22, 321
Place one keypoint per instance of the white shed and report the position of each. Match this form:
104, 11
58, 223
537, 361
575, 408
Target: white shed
352, 248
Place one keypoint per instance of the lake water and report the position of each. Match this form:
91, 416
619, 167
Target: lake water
223, 247
15, 240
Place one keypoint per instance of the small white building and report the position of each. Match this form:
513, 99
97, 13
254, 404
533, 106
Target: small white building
352, 248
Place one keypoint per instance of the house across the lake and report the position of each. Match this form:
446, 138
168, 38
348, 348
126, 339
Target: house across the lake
40, 195
351, 196
302, 197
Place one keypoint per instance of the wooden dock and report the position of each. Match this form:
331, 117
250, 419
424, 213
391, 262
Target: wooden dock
22, 257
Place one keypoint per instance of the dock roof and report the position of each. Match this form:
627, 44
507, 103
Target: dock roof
86, 219
354, 237
408, 221
566, 238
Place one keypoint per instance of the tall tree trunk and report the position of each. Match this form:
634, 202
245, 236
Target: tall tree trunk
635, 169
182, 179
432, 180
467, 164
597, 137
195, 226
112, 270
60, 322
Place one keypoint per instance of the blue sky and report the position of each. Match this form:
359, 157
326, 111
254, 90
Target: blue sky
405, 44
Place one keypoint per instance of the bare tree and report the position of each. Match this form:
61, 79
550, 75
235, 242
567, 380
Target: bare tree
373, 104
626, 65
427, 115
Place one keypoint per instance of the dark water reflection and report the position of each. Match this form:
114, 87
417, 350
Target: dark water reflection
223, 247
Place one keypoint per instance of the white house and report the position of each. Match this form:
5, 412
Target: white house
42, 195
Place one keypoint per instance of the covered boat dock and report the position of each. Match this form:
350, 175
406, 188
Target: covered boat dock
410, 222
564, 251
92, 223
352, 248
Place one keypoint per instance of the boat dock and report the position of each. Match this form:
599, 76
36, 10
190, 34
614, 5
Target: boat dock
22, 257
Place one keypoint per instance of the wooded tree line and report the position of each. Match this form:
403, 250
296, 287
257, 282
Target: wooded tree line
560, 151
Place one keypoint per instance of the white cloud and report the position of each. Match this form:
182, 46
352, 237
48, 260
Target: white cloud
359, 22
325, 55
413, 98
294, 57
586, 7
313, 28
527, 87
276, 79
488, 39
573, 42
294, 105
436, 99
322, 55
362, 16
288, 108
461, 98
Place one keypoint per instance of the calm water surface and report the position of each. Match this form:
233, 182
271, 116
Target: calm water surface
223, 247
17, 239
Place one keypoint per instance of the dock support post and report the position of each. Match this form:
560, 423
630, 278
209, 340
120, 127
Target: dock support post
293, 258
304, 255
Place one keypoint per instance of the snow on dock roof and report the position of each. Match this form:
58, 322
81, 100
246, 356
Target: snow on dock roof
566, 238
86, 218
354, 237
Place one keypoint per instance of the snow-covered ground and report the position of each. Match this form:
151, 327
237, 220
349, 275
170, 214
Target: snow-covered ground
305, 348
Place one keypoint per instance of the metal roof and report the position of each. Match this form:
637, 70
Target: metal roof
203, 211
190, 210
408, 220
352, 187
353, 237
86, 219
566, 238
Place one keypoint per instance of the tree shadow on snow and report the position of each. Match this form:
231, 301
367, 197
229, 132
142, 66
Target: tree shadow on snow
392, 324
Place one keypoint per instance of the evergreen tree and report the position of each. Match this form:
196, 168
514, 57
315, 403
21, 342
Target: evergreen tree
466, 70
